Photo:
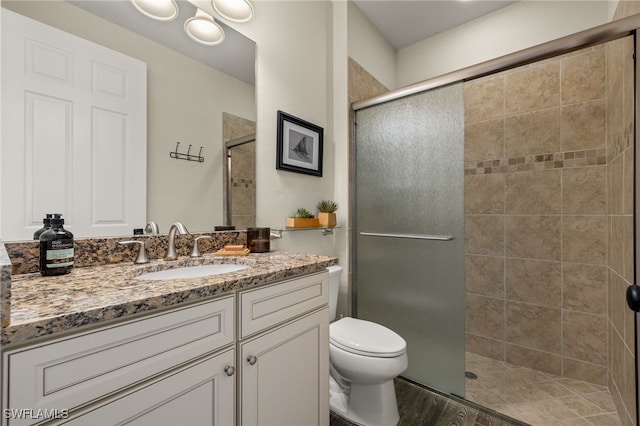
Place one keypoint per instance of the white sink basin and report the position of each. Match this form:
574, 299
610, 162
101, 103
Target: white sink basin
190, 272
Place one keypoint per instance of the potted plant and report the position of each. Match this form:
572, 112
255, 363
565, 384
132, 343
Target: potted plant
327, 213
302, 219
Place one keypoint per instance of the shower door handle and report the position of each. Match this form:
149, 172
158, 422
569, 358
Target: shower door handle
409, 236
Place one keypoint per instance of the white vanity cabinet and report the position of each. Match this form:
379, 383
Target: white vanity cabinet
99, 376
283, 353
256, 357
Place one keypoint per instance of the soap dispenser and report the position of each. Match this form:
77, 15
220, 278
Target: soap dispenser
56, 248
46, 224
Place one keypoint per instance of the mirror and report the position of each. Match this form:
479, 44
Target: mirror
184, 103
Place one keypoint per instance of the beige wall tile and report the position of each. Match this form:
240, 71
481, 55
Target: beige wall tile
484, 194
534, 281
618, 289
584, 337
533, 192
535, 327
484, 275
584, 125
532, 133
584, 288
617, 244
485, 346
627, 181
532, 87
616, 188
584, 190
484, 140
583, 76
584, 239
584, 371
627, 247
629, 395
484, 234
537, 360
362, 84
535, 237
484, 99
618, 363
484, 316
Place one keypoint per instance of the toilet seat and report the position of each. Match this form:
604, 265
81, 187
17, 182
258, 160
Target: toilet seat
366, 338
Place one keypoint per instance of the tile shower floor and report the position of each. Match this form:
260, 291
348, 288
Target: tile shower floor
535, 397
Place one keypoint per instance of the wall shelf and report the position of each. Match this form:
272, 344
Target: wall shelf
277, 234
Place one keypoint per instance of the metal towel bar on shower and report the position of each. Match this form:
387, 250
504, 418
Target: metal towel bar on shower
409, 236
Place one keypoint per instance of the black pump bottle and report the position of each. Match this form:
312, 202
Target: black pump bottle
56, 249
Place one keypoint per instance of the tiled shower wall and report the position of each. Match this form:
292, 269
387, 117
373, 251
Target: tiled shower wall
535, 209
548, 191
620, 260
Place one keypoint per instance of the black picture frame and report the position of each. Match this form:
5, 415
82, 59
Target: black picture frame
300, 145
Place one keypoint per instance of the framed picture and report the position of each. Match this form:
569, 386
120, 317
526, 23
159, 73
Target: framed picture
299, 145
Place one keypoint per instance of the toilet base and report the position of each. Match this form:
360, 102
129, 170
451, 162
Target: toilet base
367, 405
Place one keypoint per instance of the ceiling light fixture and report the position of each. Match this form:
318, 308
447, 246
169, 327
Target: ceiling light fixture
204, 29
233, 10
160, 10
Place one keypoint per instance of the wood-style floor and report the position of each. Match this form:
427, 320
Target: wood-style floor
419, 406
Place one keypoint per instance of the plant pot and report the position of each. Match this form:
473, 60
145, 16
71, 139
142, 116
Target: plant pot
298, 222
328, 220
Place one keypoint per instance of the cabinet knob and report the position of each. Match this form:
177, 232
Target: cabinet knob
251, 359
230, 370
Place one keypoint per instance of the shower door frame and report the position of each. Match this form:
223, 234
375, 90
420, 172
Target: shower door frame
594, 36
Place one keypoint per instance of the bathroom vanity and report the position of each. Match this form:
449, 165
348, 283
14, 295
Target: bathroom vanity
245, 347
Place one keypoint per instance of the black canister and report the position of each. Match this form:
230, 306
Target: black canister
46, 224
258, 239
56, 248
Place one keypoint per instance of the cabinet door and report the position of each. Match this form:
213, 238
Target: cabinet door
284, 374
201, 393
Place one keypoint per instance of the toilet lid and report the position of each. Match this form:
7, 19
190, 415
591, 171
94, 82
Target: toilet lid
366, 338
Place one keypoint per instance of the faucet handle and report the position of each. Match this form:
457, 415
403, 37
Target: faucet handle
195, 252
152, 228
142, 252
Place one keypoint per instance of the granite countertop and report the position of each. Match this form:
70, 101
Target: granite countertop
45, 305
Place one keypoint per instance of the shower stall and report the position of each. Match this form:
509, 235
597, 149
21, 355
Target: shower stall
494, 216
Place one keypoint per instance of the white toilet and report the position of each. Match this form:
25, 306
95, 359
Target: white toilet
365, 357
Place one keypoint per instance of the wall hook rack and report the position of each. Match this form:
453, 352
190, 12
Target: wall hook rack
188, 156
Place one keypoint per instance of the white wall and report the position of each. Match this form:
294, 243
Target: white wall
513, 28
368, 47
292, 74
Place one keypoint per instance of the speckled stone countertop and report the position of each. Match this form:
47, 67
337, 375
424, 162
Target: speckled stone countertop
42, 306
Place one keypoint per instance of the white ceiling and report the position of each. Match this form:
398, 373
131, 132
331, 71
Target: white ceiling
401, 22
406, 22
235, 56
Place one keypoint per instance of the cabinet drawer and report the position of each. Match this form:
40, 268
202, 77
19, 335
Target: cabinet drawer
72, 371
267, 306
198, 394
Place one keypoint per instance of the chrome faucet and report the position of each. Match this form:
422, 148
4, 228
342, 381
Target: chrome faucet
152, 228
171, 250
195, 251
142, 251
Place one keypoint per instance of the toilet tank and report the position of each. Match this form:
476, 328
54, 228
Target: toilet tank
334, 289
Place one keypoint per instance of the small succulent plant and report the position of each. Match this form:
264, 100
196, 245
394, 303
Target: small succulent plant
303, 214
327, 206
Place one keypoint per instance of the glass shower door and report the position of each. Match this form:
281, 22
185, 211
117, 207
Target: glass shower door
409, 258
